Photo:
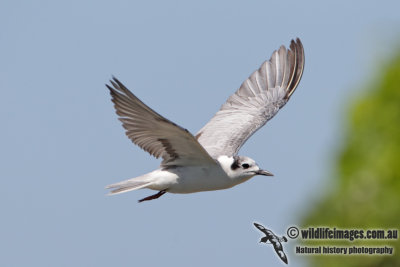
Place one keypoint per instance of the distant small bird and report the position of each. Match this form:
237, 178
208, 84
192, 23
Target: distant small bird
209, 160
274, 240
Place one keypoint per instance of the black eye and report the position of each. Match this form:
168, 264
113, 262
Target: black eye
245, 166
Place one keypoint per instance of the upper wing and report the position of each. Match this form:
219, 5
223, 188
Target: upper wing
261, 228
257, 100
279, 250
154, 133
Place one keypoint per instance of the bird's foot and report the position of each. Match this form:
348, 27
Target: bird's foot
159, 194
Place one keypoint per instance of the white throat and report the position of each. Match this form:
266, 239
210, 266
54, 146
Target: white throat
226, 163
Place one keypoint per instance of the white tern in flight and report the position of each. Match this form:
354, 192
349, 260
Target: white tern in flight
208, 160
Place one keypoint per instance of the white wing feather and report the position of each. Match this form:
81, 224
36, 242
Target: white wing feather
257, 100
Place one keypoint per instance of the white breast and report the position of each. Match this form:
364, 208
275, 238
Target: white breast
200, 178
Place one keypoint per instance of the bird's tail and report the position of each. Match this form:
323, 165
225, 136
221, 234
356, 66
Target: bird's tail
129, 185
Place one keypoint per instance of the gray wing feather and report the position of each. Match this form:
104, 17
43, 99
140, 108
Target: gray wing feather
154, 133
257, 100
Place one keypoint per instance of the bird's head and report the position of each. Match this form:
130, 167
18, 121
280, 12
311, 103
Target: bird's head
240, 167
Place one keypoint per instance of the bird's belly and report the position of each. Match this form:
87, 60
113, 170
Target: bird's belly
197, 179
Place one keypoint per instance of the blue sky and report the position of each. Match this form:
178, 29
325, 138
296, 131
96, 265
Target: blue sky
61, 142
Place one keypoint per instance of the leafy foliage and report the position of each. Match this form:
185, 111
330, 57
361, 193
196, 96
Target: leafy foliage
367, 194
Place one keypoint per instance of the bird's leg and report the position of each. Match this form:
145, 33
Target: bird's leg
159, 194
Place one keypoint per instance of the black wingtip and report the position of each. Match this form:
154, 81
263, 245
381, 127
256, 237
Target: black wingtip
112, 83
259, 226
109, 87
297, 49
117, 82
113, 78
294, 43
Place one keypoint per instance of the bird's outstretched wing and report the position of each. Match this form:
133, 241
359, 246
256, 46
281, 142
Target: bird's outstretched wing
154, 133
281, 254
261, 228
257, 100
